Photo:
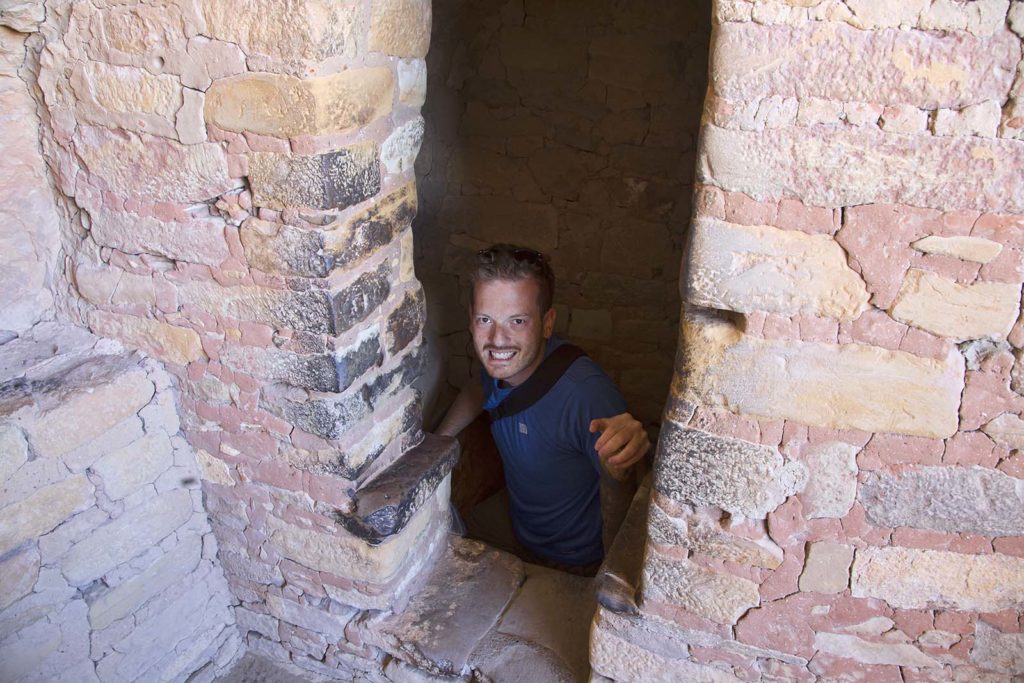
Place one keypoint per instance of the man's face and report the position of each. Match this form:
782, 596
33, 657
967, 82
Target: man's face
509, 329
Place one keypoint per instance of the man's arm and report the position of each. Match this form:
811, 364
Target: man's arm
623, 441
467, 405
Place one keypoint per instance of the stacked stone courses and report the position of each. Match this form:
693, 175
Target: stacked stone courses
839, 480
236, 192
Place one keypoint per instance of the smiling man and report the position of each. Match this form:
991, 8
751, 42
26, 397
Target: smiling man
556, 417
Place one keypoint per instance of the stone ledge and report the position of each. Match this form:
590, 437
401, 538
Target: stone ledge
384, 504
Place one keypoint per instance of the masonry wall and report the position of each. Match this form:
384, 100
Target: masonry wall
569, 127
235, 181
838, 486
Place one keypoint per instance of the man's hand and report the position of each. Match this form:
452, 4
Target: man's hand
622, 443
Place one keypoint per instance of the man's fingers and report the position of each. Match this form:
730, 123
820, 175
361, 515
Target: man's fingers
598, 425
610, 442
632, 452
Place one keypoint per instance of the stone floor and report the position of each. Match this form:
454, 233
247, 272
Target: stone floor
505, 620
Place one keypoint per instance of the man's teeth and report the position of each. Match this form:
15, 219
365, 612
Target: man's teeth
502, 355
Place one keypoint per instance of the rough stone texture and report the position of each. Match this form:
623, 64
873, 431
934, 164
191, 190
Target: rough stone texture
707, 536
743, 478
398, 153
304, 310
849, 386
832, 480
1002, 652
619, 659
1006, 430
128, 97
761, 268
335, 180
955, 499
934, 579
715, 595
828, 167
827, 567
196, 241
360, 237
977, 249
29, 238
40, 512
961, 312
400, 27
125, 470
284, 106
867, 652
926, 70
178, 345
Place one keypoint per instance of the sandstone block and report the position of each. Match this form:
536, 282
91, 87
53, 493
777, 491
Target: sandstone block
124, 598
200, 240
355, 302
977, 249
98, 396
960, 312
620, 660
34, 475
308, 310
400, 27
214, 470
867, 652
122, 539
1006, 430
980, 119
848, 386
127, 97
40, 512
826, 567
188, 122
830, 167
363, 235
341, 554
707, 536
335, 180
314, 372
493, 219
398, 153
405, 322
699, 468
288, 32
154, 169
754, 61
18, 575
284, 106
277, 248
1002, 652
125, 470
832, 481
717, 596
13, 450
100, 284
316, 619
759, 268
935, 579
170, 343
412, 82
973, 500
327, 418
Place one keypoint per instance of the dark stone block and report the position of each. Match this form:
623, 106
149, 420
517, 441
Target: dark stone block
351, 364
285, 249
350, 176
327, 418
407, 371
405, 322
310, 311
385, 504
335, 180
374, 228
354, 303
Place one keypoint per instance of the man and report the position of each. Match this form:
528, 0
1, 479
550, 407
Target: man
553, 451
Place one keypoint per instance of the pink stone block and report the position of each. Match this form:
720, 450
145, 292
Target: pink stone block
795, 215
857, 527
948, 267
709, 201
971, 544
815, 329
955, 622
256, 334
1007, 267
1012, 464
887, 449
786, 577
1010, 545
786, 624
986, 396
925, 344
1007, 229
913, 622
724, 423
779, 327
743, 210
685, 619
922, 539
832, 668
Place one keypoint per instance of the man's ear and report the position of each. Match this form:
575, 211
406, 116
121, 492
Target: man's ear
549, 322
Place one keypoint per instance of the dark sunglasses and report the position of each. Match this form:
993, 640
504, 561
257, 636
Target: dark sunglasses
529, 255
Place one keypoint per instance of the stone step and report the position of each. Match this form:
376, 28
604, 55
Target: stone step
384, 504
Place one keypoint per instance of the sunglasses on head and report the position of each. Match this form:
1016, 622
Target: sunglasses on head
529, 255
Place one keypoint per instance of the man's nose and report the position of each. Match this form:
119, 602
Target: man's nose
499, 335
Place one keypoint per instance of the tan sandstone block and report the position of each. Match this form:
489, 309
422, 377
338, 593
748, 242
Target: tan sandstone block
850, 386
934, 579
714, 595
13, 450
125, 470
832, 482
620, 660
43, 511
826, 166
214, 470
994, 649
868, 652
401, 27
826, 567
977, 249
984, 310
286, 31
1006, 430
86, 413
412, 82
760, 268
178, 345
129, 97
285, 106
18, 575
197, 241
338, 552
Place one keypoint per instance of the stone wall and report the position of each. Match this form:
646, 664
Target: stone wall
236, 183
569, 127
838, 486
107, 559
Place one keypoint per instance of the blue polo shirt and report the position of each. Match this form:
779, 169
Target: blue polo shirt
551, 467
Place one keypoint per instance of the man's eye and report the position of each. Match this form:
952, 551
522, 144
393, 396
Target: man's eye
518, 321
482, 320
